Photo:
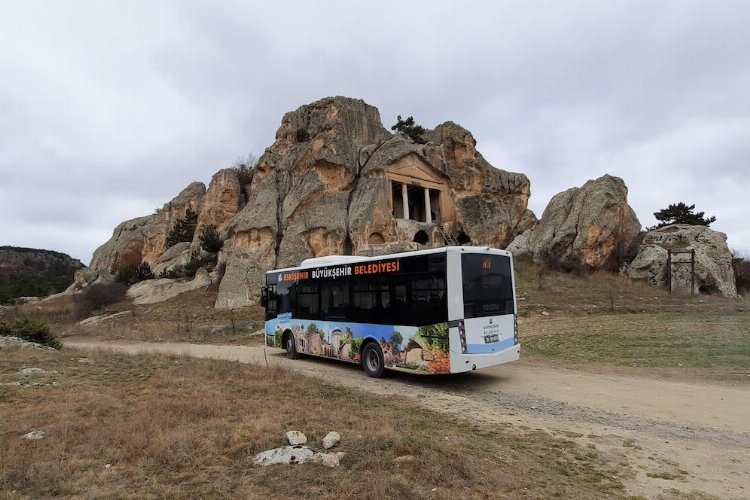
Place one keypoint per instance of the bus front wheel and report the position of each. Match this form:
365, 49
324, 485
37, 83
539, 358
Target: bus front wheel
291, 348
372, 360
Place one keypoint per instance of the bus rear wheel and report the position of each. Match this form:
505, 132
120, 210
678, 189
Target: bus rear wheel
291, 348
372, 360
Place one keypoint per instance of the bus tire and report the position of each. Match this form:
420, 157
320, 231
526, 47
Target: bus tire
372, 360
290, 346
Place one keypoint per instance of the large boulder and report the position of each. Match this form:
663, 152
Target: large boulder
713, 260
144, 239
159, 290
589, 227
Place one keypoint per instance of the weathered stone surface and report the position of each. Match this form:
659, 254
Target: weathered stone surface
105, 318
88, 276
295, 438
332, 439
31, 371
713, 260
288, 455
176, 255
328, 186
520, 245
592, 226
34, 435
527, 223
144, 239
223, 200
159, 290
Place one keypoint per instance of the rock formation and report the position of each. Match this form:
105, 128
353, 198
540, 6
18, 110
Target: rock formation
335, 181
713, 261
591, 227
144, 239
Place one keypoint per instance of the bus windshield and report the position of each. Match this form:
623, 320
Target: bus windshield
487, 285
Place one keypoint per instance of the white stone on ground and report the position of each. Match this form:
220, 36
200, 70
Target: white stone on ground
331, 440
31, 371
34, 435
295, 438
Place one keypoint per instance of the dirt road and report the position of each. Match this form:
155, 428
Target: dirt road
660, 437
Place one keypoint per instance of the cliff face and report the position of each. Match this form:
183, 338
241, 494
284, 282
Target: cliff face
335, 181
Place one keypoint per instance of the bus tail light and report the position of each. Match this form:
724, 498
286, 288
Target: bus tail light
515, 329
462, 336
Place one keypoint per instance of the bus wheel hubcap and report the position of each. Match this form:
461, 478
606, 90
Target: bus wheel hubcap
372, 361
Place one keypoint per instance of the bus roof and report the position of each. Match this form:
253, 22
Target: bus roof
332, 260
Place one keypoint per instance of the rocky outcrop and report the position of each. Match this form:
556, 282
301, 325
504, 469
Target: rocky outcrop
713, 260
334, 182
144, 239
589, 227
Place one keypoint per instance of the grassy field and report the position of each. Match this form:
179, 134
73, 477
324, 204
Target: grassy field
154, 427
713, 345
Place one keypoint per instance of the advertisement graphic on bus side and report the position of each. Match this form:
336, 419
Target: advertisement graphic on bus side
423, 348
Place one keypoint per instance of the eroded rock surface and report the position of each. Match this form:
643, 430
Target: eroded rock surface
713, 260
591, 227
335, 181
144, 239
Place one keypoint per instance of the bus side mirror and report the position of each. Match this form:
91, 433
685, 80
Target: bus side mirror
264, 296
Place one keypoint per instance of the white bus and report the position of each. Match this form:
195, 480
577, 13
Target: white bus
444, 310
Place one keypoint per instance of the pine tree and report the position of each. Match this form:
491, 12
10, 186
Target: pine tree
410, 129
680, 213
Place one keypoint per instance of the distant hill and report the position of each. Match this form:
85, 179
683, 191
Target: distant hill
28, 272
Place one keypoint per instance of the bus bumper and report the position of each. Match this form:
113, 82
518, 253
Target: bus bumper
461, 363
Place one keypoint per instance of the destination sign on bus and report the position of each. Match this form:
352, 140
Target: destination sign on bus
391, 266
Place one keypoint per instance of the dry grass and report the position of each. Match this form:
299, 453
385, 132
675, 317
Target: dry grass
174, 427
573, 294
190, 317
710, 345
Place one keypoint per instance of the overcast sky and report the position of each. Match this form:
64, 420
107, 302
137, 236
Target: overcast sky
109, 108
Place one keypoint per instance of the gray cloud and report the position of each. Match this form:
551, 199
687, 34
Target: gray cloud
109, 110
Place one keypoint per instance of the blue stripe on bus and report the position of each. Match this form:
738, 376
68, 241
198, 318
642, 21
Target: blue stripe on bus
489, 348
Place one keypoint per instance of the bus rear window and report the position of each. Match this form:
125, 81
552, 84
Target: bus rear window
487, 284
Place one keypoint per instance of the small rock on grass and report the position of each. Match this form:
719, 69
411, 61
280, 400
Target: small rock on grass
31, 371
296, 438
34, 435
331, 440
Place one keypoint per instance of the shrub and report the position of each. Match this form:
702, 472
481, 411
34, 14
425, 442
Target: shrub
100, 295
183, 229
211, 242
133, 274
31, 330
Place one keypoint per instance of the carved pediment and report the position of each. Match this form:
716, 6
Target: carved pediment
413, 169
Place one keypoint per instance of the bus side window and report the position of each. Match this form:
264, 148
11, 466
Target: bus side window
334, 296
285, 292
271, 310
308, 300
